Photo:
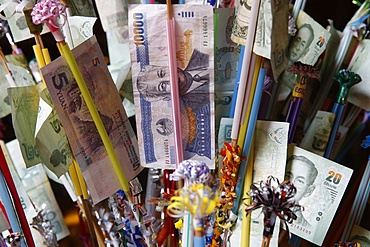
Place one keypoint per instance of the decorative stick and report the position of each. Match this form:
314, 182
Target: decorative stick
55, 9
244, 72
346, 79
303, 72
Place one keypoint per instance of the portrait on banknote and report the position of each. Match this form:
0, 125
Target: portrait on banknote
320, 185
306, 46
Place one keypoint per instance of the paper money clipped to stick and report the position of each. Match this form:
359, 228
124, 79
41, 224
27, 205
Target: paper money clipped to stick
150, 78
36, 125
82, 134
320, 185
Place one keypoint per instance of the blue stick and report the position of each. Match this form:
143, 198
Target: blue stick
248, 139
338, 109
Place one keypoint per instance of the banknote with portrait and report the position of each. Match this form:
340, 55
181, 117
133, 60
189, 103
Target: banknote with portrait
306, 46
151, 84
79, 126
320, 185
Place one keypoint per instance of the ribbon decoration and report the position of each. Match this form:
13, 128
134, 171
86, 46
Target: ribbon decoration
276, 200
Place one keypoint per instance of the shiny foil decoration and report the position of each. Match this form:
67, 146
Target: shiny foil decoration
232, 159
45, 228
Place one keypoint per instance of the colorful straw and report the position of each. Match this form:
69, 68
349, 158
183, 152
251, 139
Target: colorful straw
248, 140
244, 72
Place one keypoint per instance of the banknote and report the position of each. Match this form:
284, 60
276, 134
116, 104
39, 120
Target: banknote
320, 185
79, 126
222, 105
17, 23
18, 59
280, 37
194, 52
113, 16
359, 94
270, 152
241, 21
227, 52
81, 28
81, 7
51, 141
38, 190
224, 135
24, 103
4, 99
20, 76
262, 40
306, 46
314, 38
317, 135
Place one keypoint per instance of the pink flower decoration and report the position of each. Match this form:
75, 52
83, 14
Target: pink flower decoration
48, 11
304, 70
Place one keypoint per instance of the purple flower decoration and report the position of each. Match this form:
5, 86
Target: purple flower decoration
304, 70
48, 11
276, 200
193, 170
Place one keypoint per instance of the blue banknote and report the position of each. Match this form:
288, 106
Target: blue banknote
151, 84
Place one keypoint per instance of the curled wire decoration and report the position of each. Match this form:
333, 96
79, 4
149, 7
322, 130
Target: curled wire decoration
276, 200
304, 70
48, 12
46, 228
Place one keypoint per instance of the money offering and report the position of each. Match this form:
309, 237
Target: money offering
150, 78
320, 185
80, 129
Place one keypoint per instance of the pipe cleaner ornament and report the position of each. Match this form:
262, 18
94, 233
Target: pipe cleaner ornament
276, 200
192, 170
